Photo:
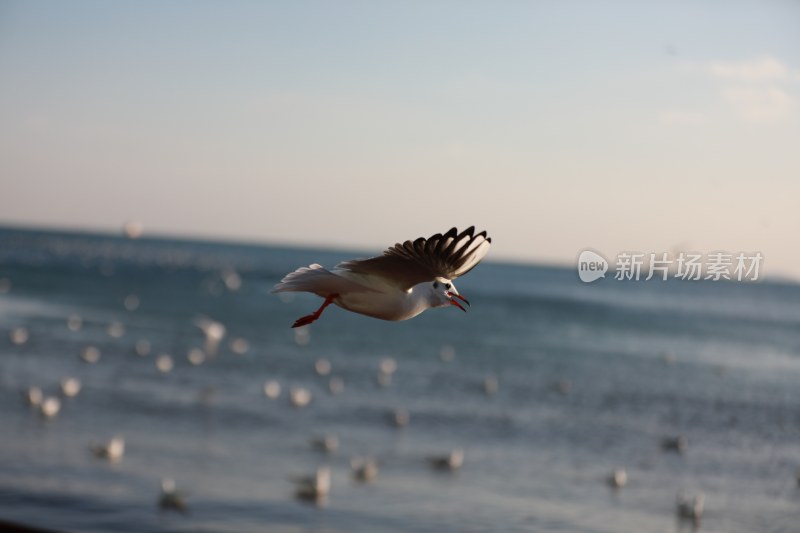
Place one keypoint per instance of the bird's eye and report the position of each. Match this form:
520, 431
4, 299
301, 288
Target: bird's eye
447, 286
435, 284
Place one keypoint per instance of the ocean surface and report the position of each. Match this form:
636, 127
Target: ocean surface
590, 378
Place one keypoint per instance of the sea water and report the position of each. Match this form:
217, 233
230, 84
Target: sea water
591, 377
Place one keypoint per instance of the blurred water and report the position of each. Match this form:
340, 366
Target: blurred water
591, 378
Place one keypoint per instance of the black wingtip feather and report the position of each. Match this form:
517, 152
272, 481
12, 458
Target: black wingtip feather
458, 256
440, 245
450, 249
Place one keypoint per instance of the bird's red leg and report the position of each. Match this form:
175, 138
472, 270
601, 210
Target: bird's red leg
308, 319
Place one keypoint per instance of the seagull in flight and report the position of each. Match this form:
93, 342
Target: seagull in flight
400, 284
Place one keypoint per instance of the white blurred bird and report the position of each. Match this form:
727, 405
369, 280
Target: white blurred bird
70, 387
490, 385
400, 284
170, 499
325, 443
299, 396
113, 450
450, 461
365, 469
272, 389
34, 396
618, 478
690, 507
214, 332
316, 487
399, 418
49, 407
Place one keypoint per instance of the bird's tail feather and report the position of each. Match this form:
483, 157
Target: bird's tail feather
317, 280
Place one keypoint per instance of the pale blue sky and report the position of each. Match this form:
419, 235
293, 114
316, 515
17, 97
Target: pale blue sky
554, 125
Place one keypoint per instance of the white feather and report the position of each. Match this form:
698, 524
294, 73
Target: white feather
316, 279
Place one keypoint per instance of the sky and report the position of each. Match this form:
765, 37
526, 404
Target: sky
556, 126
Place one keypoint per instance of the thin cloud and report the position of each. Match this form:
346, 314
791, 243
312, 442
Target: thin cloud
758, 90
765, 68
759, 104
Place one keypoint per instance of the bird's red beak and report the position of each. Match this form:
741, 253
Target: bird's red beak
453, 296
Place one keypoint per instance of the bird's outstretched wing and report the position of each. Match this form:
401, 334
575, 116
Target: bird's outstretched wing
447, 256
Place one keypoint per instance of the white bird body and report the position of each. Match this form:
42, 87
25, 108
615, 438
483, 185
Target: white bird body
367, 295
402, 283
385, 301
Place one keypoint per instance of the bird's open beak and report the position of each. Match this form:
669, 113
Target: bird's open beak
453, 296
